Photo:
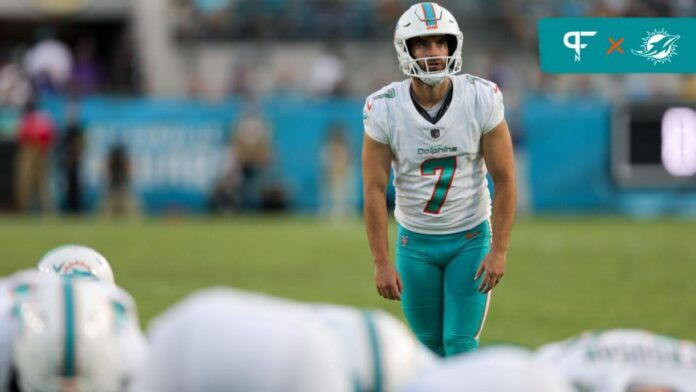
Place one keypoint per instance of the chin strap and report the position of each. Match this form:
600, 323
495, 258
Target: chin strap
432, 82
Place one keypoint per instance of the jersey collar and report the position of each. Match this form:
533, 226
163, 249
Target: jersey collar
440, 113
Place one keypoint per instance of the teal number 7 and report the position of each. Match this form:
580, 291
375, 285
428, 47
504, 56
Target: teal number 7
446, 166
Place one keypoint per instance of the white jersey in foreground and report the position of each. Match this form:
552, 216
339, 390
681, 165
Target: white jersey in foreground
224, 340
495, 369
439, 172
382, 353
615, 360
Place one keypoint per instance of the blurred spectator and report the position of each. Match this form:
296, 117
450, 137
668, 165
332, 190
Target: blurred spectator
253, 152
49, 63
87, 74
327, 74
119, 200
71, 160
242, 79
216, 14
225, 196
36, 135
388, 11
688, 87
337, 174
274, 196
15, 88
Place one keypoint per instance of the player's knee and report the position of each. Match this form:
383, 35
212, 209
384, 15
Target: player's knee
433, 341
459, 344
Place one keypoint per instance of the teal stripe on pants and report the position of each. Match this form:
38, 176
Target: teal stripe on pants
440, 298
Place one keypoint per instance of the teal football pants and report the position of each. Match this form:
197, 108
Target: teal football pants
440, 298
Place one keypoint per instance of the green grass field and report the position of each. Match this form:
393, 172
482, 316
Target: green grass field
564, 275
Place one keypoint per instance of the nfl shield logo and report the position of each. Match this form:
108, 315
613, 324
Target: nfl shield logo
404, 240
435, 133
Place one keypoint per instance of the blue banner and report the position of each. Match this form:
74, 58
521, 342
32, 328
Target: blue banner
617, 45
179, 149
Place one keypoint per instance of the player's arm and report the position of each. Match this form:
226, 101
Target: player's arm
376, 160
497, 152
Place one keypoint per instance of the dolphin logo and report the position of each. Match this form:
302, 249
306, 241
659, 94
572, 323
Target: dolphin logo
658, 47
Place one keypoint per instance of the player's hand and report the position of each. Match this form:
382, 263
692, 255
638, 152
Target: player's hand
387, 281
492, 268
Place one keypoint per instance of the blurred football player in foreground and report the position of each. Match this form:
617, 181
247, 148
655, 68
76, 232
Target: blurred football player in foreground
224, 340
494, 369
624, 360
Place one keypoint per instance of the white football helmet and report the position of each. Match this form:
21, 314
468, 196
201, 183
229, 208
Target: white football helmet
7, 296
76, 261
67, 338
426, 19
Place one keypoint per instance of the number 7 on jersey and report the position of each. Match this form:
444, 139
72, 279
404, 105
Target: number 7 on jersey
446, 166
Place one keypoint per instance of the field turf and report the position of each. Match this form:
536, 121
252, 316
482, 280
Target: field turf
565, 274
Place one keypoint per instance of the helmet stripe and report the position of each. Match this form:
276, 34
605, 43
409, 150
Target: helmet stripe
429, 13
69, 352
376, 354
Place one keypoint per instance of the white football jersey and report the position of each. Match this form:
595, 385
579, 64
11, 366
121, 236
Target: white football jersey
439, 171
492, 369
227, 340
382, 353
614, 360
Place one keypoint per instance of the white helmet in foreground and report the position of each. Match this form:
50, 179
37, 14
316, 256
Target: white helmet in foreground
422, 20
67, 338
76, 260
496, 369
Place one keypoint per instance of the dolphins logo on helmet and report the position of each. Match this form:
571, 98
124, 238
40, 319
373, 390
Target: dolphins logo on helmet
422, 20
75, 261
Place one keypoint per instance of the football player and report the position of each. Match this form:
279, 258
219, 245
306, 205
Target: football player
441, 133
493, 369
227, 340
624, 360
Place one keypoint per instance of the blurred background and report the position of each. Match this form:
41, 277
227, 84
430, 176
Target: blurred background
201, 142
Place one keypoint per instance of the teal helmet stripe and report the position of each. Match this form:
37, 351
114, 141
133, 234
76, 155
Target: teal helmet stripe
429, 12
372, 334
69, 352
